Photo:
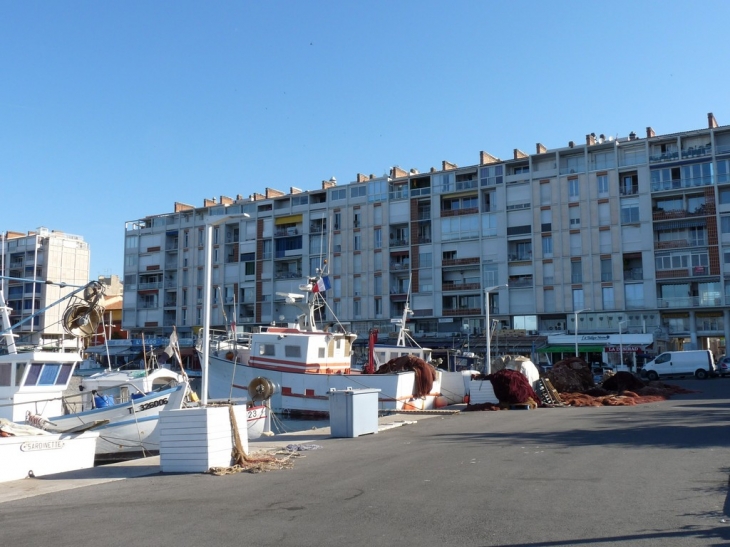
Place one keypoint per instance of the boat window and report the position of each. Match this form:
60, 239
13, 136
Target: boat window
19, 371
292, 351
267, 349
48, 375
33, 374
5, 374
64, 375
320, 353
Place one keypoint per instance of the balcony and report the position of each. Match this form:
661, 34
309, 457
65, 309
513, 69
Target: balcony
690, 302
454, 286
678, 184
520, 257
289, 274
461, 311
459, 261
634, 274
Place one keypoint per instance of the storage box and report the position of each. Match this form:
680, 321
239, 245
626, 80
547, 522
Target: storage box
353, 412
192, 440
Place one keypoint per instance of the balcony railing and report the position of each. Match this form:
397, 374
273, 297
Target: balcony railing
676, 184
690, 302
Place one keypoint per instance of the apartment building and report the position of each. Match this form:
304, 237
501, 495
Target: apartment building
27, 261
612, 244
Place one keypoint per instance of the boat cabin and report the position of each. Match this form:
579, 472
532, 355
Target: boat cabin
34, 382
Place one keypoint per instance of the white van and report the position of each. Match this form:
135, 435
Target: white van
698, 363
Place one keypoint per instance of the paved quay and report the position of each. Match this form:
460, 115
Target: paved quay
26, 488
648, 475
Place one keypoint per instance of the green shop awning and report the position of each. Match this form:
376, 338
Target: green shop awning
571, 349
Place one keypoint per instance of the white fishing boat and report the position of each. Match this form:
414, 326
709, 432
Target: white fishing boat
32, 386
28, 452
306, 362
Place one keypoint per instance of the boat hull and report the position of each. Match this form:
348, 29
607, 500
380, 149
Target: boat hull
308, 394
39, 455
132, 425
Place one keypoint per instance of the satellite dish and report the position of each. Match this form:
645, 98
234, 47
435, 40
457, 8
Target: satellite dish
261, 389
81, 321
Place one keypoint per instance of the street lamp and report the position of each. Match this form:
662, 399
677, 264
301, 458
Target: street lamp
621, 342
206, 302
488, 366
576, 328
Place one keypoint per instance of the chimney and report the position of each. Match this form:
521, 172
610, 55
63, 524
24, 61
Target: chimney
239, 197
225, 200
180, 207
331, 183
650, 133
571, 144
519, 154
396, 172
208, 202
540, 148
273, 193
485, 158
361, 177
711, 121
294, 190
632, 136
447, 166
591, 139
257, 197
414, 171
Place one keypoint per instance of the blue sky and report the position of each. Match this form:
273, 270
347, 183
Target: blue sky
111, 111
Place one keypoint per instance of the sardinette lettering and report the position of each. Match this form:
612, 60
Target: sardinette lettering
30, 446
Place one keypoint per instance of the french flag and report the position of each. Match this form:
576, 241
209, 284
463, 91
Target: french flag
322, 284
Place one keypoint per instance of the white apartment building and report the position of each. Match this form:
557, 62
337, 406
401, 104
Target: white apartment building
30, 260
627, 237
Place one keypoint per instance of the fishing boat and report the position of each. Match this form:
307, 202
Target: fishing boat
33, 383
29, 452
306, 362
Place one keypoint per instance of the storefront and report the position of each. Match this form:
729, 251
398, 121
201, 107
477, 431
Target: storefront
615, 350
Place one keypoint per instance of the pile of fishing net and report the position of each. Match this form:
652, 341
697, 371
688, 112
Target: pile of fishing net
622, 389
571, 375
511, 387
425, 372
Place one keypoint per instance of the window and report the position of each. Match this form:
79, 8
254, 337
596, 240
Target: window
574, 214
358, 191
629, 184
608, 299
356, 242
630, 211
356, 220
604, 214
573, 189
292, 351
267, 349
547, 246
576, 272
425, 259
602, 184
606, 269
489, 225
602, 160
725, 224
578, 301
378, 238
299, 199
489, 176
378, 305
545, 194
634, 295
377, 190
378, 285
356, 308
576, 245
338, 194
337, 221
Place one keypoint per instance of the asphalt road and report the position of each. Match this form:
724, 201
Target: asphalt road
648, 475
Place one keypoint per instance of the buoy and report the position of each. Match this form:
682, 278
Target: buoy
230, 356
466, 399
441, 402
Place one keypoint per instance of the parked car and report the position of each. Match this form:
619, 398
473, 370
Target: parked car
723, 366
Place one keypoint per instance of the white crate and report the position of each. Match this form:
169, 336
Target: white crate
192, 440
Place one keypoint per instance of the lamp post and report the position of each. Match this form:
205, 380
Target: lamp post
208, 281
488, 366
576, 328
621, 343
